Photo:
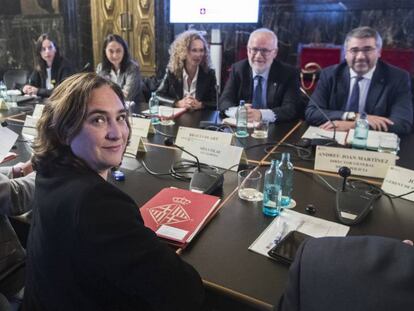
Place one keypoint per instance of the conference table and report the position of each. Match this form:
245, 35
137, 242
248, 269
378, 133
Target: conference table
235, 277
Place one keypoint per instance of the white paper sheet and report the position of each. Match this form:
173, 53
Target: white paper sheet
289, 221
316, 132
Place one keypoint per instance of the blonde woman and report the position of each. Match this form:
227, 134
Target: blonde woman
189, 81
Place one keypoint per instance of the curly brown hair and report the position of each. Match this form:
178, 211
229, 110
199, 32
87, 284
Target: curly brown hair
62, 119
179, 49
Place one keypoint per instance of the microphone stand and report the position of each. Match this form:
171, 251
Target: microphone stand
202, 182
322, 141
206, 124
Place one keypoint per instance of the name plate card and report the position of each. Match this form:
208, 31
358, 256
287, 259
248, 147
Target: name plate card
188, 135
398, 181
38, 110
7, 140
223, 156
139, 128
361, 162
29, 127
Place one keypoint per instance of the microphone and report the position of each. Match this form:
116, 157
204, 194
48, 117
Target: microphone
168, 142
202, 181
206, 124
86, 67
321, 141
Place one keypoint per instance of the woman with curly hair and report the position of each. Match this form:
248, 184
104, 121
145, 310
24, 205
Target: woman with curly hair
118, 67
189, 81
50, 68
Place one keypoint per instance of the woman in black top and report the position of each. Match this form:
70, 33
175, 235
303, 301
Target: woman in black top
88, 248
50, 68
189, 82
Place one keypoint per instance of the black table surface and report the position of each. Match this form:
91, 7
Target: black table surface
220, 252
222, 257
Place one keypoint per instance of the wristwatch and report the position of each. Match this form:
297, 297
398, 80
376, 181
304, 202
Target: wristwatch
351, 116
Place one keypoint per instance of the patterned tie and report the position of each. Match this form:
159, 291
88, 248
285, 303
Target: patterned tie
354, 99
257, 94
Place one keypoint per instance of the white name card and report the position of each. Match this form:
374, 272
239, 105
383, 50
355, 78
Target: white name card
141, 127
188, 135
361, 162
38, 110
29, 127
7, 140
224, 156
398, 181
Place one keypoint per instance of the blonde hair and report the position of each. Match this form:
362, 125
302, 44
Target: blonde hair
62, 119
179, 49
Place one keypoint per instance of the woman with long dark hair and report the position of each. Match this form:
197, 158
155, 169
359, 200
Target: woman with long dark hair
50, 68
118, 66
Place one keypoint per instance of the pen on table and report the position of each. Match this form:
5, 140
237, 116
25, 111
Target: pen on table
139, 115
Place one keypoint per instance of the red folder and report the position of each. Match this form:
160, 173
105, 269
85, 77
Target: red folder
177, 215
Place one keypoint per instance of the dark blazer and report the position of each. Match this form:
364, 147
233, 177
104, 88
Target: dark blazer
171, 88
389, 95
354, 273
89, 250
282, 89
61, 69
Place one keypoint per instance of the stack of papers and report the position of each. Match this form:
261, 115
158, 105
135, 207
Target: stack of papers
315, 132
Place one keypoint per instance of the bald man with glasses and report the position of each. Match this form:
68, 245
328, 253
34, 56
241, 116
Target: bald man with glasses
269, 87
363, 83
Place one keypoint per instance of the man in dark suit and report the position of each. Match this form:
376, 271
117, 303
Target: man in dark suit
363, 84
354, 273
269, 87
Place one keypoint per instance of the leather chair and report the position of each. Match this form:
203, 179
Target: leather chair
15, 78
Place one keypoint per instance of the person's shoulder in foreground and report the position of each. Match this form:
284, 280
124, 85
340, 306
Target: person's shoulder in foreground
352, 273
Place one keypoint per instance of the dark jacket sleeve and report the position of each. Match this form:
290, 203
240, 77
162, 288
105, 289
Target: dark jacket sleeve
286, 103
401, 105
322, 97
166, 92
116, 247
230, 95
206, 91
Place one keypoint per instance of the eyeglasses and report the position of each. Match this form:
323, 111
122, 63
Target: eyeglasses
364, 50
264, 52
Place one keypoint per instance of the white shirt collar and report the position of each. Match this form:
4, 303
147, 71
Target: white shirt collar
265, 74
368, 75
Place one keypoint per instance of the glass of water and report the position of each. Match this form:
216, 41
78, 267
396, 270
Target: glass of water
261, 129
389, 143
249, 182
166, 115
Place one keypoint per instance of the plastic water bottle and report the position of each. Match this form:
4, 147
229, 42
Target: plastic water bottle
287, 181
241, 120
361, 132
272, 192
3, 90
154, 108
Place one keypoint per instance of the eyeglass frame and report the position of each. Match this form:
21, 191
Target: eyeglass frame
365, 50
264, 52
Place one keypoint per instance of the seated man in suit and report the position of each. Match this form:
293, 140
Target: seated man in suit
269, 87
359, 273
363, 84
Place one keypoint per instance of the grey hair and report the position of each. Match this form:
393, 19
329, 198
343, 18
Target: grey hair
362, 33
266, 31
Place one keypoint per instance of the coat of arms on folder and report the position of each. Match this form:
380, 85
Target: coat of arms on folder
177, 215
